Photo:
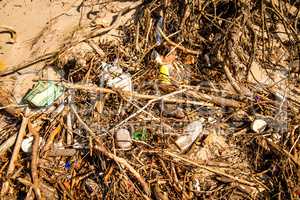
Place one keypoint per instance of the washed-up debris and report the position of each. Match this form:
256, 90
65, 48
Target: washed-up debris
258, 125
159, 25
140, 135
43, 94
123, 139
68, 165
190, 134
115, 77
203, 77
122, 82
164, 71
27, 144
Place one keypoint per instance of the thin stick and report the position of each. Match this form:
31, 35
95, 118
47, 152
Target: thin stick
96, 47
50, 192
11, 31
132, 94
185, 50
145, 106
8, 143
21, 66
101, 148
278, 148
211, 169
34, 161
205, 97
11, 166
216, 100
232, 80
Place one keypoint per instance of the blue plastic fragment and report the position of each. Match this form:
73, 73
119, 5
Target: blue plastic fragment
68, 165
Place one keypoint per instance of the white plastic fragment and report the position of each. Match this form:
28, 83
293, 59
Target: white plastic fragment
258, 125
123, 139
280, 96
122, 82
191, 132
115, 77
26, 145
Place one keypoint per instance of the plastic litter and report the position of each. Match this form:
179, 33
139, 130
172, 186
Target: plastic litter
258, 125
140, 135
164, 68
164, 73
43, 94
68, 165
191, 133
123, 139
116, 78
26, 145
122, 82
159, 25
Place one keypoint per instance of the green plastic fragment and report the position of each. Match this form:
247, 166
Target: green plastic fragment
43, 94
140, 135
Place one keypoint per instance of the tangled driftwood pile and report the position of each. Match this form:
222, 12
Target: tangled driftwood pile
226, 72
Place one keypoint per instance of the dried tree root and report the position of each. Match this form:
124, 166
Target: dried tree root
102, 149
100, 32
34, 160
220, 101
11, 166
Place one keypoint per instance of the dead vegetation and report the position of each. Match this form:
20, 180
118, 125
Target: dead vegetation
232, 62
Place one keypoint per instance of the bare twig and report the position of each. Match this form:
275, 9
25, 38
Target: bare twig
96, 47
101, 148
11, 166
144, 107
8, 143
131, 94
34, 160
208, 168
185, 50
23, 65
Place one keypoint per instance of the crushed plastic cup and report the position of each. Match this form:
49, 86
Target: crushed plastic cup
110, 71
191, 133
114, 77
122, 82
